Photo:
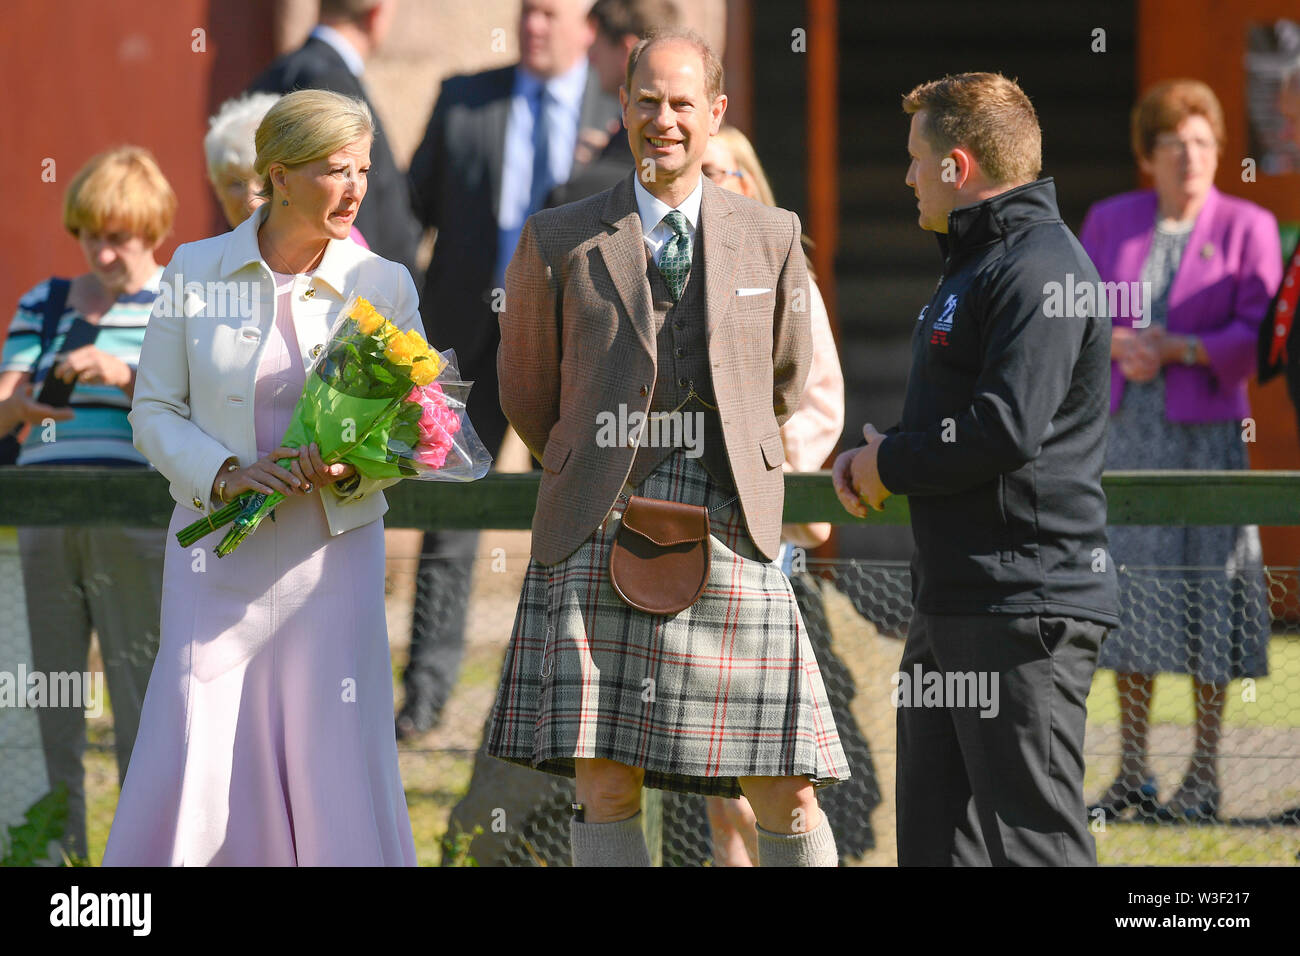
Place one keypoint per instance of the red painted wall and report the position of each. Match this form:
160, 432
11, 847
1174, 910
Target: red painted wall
81, 76
1206, 39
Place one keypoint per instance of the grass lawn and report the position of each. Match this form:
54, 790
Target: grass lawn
436, 769
1273, 701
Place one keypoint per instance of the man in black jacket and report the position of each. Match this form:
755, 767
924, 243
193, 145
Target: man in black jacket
1000, 450
332, 59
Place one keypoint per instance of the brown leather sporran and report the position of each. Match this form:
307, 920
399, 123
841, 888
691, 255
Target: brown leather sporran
659, 562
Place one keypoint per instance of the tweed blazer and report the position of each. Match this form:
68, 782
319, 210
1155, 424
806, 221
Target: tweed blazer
193, 402
577, 344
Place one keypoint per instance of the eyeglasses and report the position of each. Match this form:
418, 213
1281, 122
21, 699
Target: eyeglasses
1170, 142
719, 175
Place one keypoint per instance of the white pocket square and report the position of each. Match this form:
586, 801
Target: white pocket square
751, 291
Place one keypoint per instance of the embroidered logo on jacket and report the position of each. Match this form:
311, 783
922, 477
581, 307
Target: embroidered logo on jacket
943, 324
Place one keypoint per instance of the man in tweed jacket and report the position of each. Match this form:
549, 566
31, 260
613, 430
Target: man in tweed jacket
588, 332
577, 342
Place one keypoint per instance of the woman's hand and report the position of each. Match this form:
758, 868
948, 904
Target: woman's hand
1137, 352
91, 366
314, 473
264, 476
807, 536
21, 408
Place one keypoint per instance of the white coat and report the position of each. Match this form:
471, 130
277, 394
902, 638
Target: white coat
193, 403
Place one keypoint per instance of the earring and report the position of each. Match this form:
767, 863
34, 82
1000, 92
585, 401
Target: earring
284, 202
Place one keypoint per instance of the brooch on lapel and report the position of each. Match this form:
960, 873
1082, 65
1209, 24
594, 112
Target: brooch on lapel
1207, 251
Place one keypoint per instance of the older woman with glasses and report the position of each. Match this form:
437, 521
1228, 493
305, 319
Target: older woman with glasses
1181, 359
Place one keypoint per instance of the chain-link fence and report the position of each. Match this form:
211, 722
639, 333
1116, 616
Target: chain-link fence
470, 809
858, 612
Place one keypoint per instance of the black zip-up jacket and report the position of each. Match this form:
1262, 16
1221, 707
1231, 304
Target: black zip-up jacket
1003, 437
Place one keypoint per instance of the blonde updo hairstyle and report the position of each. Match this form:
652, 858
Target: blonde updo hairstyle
305, 126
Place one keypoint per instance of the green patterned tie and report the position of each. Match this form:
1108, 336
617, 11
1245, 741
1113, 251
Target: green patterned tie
675, 257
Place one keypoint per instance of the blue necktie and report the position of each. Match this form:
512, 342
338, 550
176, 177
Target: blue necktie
543, 181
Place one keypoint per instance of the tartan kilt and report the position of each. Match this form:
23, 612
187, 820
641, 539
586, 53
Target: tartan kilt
727, 688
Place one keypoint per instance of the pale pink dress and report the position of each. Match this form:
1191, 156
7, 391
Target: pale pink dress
267, 731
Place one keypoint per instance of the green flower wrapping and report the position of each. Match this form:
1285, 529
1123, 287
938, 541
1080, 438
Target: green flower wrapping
354, 407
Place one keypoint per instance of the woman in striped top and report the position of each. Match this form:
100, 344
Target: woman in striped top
119, 206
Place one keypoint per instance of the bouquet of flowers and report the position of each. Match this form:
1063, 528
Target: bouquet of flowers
379, 399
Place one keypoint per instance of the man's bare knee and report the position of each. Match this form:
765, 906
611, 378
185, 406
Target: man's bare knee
783, 804
609, 791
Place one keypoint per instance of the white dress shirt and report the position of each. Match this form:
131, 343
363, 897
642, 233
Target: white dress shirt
355, 64
652, 212
562, 118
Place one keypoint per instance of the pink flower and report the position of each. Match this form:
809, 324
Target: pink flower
437, 424
431, 455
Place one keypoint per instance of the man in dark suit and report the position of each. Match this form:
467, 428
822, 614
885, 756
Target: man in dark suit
478, 174
619, 25
332, 59
496, 145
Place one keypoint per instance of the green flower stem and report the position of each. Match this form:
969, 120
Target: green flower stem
219, 519
255, 508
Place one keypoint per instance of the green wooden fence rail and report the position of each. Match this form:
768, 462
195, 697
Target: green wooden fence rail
110, 496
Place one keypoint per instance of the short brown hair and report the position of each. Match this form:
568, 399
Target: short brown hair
122, 187
616, 19
1163, 108
712, 65
988, 114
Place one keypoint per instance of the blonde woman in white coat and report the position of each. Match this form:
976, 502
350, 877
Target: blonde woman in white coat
267, 733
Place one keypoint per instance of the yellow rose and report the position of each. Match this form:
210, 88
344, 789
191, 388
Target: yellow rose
399, 351
419, 347
367, 318
424, 372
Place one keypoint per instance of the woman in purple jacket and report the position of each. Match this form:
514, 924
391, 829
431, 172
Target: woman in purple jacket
1201, 268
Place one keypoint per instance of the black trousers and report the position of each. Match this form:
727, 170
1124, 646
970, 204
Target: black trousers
446, 570
996, 779
438, 624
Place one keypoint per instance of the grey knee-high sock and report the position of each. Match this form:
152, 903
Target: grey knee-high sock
609, 844
814, 848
